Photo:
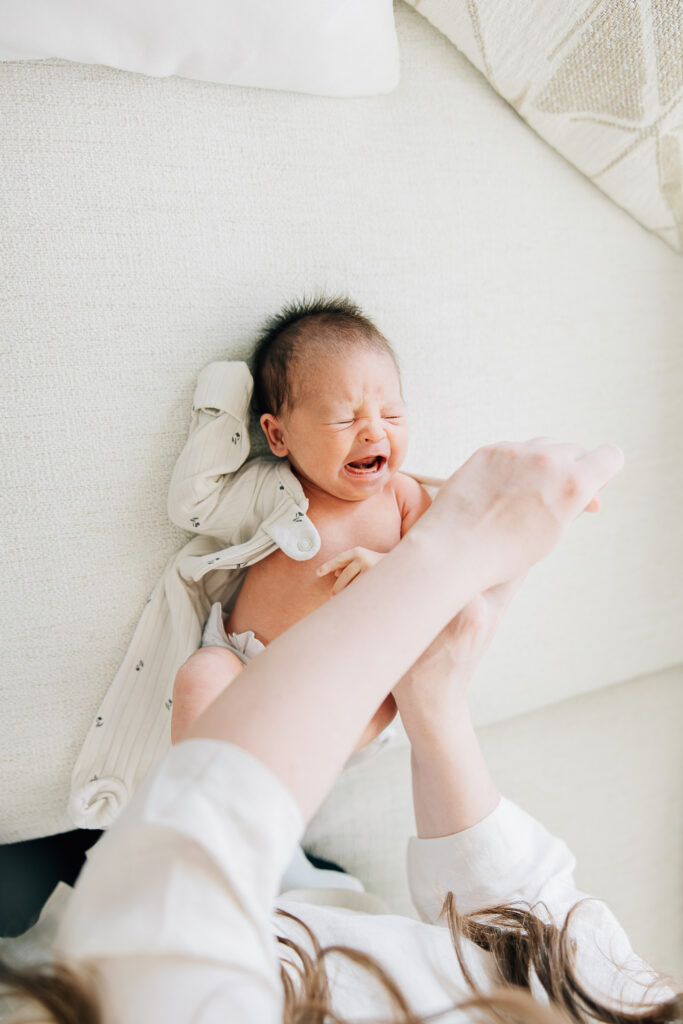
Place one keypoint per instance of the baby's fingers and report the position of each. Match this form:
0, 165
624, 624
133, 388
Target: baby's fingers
326, 568
338, 562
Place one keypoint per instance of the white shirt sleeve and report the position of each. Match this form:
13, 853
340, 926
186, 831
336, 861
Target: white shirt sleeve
509, 857
217, 445
173, 907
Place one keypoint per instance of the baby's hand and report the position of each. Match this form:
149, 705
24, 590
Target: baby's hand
352, 562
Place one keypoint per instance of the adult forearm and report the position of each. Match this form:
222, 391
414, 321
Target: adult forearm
302, 704
452, 786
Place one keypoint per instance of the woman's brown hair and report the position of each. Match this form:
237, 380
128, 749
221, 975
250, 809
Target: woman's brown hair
523, 946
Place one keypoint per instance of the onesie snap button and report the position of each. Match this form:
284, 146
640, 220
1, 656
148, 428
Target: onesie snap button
297, 536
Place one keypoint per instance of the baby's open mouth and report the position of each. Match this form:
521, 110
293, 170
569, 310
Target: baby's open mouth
366, 467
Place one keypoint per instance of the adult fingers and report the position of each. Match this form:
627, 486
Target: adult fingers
605, 461
597, 468
543, 439
575, 451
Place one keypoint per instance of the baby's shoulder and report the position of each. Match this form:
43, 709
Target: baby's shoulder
412, 499
407, 487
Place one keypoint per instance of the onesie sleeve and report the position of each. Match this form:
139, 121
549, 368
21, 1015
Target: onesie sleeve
217, 445
509, 857
173, 907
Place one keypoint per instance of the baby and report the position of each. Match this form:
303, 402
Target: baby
327, 393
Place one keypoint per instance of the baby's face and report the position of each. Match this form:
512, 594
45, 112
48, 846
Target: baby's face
350, 408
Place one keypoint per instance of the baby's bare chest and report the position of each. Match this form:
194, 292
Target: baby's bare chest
278, 591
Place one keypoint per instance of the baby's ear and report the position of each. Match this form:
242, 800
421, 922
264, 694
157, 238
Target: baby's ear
274, 436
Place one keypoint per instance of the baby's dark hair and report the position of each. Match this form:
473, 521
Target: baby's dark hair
302, 332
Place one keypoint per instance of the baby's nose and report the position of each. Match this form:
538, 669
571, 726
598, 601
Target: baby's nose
373, 430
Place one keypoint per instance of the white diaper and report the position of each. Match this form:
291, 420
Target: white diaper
244, 645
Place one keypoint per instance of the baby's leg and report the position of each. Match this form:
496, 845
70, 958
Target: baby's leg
199, 680
204, 675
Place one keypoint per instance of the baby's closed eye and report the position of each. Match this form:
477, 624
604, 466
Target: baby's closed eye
343, 423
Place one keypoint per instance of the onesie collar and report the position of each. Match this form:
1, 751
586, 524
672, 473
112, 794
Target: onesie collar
289, 526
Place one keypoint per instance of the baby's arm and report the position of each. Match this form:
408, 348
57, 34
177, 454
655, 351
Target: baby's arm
348, 565
413, 501
217, 445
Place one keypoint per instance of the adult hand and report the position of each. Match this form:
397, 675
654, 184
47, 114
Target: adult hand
437, 683
516, 501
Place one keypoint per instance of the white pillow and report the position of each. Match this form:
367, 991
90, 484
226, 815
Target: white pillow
332, 47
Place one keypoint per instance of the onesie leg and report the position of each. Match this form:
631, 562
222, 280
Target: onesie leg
199, 680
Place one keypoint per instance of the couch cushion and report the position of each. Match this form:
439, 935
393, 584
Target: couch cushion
601, 82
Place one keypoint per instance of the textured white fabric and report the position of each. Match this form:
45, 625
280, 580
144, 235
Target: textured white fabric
601, 82
186, 932
333, 47
150, 227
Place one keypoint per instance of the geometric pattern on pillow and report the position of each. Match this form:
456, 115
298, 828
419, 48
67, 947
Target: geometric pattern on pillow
600, 80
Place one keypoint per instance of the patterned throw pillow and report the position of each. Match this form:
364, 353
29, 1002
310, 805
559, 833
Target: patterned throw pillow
600, 80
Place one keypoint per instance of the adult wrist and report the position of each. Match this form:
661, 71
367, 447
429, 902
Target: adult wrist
452, 785
449, 549
433, 729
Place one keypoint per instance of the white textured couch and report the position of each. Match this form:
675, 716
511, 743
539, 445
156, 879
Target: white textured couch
150, 226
